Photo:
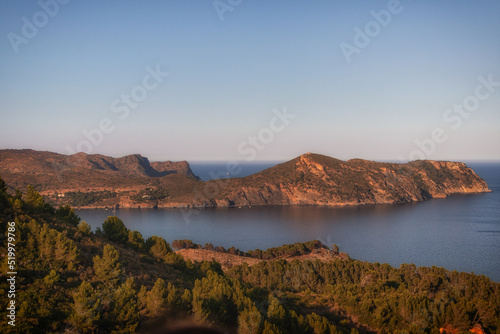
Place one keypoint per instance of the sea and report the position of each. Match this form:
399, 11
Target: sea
461, 232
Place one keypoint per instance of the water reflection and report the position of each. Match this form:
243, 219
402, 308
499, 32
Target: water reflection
459, 233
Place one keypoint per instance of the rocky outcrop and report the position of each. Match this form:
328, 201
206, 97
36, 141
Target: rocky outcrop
133, 165
169, 167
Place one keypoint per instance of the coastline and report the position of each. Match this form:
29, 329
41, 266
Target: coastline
221, 204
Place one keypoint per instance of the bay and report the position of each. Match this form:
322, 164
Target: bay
460, 233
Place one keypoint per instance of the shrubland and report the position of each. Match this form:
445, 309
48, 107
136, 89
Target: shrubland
112, 280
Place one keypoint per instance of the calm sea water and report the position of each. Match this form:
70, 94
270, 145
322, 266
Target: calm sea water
459, 233
210, 171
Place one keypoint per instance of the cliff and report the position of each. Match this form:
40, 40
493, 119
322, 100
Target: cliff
169, 167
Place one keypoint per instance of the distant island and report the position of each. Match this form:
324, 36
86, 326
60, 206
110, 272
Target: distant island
97, 181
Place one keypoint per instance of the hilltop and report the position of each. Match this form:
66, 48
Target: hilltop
311, 179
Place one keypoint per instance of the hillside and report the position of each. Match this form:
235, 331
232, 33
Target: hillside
103, 181
314, 179
48, 163
73, 280
98, 181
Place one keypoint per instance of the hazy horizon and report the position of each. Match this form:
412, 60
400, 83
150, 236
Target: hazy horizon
256, 161
253, 81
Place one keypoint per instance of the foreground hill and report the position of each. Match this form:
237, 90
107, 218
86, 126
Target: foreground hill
311, 179
72, 280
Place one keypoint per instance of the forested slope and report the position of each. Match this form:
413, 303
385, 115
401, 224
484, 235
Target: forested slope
71, 280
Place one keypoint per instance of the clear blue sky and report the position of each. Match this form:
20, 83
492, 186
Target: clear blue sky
226, 77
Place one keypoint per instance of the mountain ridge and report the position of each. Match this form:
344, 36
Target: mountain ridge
133, 164
310, 179
57, 174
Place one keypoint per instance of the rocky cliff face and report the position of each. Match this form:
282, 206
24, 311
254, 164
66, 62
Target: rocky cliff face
313, 179
169, 167
132, 165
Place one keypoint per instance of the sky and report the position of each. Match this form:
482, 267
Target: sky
252, 80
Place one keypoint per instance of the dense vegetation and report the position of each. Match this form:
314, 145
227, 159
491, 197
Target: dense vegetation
150, 195
70, 279
78, 198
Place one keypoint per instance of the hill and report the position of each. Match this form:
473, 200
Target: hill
98, 181
72, 280
314, 179
227, 260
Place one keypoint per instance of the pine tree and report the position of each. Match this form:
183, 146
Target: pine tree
86, 306
276, 313
158, 247
186, 300
84, 228
68, 215
156, 298
107, 268
319, 324
34, 198
51, 279
136, 240
114, 229
124, 313
249, 321
270, 328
